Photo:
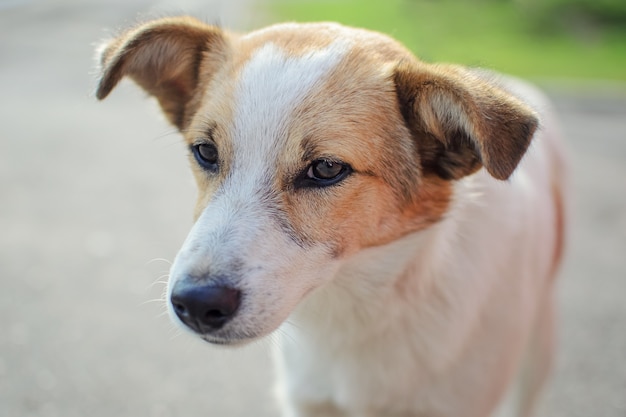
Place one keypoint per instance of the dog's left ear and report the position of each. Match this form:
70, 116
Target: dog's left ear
166, 58
461, 122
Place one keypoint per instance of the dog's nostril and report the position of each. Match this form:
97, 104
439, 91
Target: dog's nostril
215, 314
179, 308
204, 307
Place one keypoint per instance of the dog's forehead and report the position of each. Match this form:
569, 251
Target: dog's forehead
287, 68
270, 85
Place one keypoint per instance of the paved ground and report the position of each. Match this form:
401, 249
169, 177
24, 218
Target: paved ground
93, 195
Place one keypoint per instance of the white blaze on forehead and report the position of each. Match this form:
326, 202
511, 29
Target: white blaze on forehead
270, 86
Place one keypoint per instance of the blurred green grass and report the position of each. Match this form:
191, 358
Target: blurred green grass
528, 38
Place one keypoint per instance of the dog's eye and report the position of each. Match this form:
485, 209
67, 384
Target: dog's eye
206, 155
325, 172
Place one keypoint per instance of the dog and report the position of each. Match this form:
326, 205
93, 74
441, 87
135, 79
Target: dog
400, 222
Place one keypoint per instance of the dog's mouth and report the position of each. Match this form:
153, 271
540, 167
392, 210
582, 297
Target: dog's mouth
215, 341
226, 334
228, 338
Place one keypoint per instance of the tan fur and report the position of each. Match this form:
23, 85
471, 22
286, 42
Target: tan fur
354, 117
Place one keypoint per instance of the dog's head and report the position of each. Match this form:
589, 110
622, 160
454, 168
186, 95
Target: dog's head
308, 143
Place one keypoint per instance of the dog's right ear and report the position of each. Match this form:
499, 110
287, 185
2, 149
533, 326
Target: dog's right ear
461, 121
166, 58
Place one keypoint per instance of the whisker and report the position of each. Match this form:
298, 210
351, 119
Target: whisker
169, 133
159, 260
154, 300
161, 277
162, 313
267, 344
161, 280
282, 333
175, 332
273, 340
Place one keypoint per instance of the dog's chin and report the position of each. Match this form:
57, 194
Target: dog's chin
228, 340
232, 336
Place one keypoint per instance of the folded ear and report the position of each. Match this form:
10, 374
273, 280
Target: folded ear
461, 122
166, 58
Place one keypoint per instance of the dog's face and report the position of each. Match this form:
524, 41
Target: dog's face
308, 144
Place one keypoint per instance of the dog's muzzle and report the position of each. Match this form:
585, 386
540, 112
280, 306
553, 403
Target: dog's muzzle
204, 307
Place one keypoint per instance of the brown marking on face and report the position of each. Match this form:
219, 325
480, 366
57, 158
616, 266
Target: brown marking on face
354, 118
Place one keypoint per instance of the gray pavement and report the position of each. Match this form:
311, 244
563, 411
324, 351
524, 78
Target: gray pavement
96, 197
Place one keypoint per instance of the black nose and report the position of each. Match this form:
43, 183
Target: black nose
204, 307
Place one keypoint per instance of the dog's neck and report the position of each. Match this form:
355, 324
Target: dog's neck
377, 290
365, 283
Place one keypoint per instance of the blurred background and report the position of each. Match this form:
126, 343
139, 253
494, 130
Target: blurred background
95, 199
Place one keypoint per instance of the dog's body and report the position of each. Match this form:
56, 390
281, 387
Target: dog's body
352, 193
